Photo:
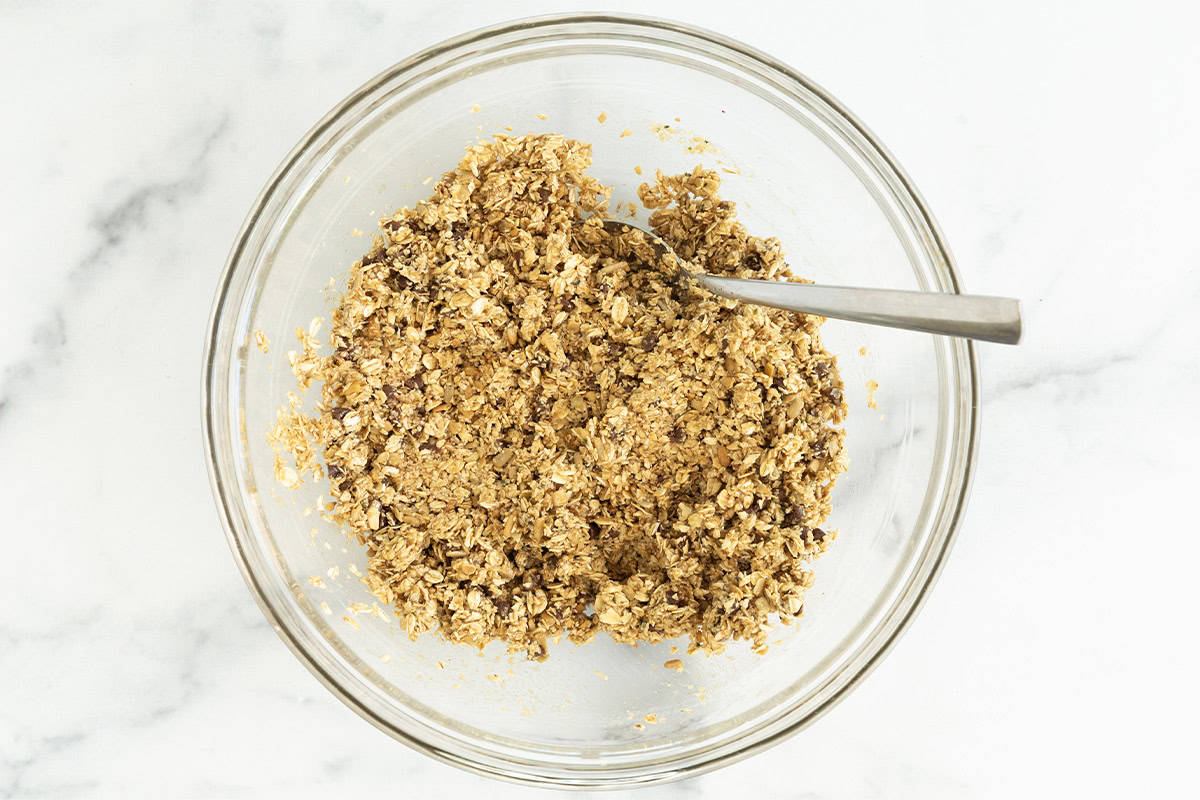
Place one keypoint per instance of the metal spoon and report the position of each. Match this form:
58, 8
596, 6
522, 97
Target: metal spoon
989, 319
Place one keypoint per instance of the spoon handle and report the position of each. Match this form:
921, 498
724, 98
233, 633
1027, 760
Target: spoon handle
989, 319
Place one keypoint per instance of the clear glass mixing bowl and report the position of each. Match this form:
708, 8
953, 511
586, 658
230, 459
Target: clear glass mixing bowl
800, 167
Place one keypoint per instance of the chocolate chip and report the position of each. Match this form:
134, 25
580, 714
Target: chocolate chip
777, 381
339, 412
818, 535
566, 303
593, 530
535, 579
673, 597
390, 391
345, 485
822, 370
744, 565
615, 348
503, 606
679, 294
393, 225
458, 230
428, 446
794, 516
416, 383
835, 396
676, 435
334, 472
649, 341
544, 193
400, 282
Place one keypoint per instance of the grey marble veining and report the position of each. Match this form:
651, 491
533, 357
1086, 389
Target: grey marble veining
1057, 147
113, 222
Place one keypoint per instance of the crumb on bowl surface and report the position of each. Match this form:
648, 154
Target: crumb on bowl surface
534, 430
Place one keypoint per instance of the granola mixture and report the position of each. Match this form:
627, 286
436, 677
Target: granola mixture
535, 431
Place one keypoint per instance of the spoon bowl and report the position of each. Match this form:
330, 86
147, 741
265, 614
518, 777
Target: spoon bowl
979, 317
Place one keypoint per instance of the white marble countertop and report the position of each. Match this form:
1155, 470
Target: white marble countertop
1055, 142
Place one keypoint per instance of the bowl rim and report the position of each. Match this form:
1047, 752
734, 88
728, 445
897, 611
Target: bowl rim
879, 642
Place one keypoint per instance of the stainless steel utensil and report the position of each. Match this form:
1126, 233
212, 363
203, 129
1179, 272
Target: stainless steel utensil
989, 319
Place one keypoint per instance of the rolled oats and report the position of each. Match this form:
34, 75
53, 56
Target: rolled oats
534, 431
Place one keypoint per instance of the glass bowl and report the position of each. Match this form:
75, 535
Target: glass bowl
801, 168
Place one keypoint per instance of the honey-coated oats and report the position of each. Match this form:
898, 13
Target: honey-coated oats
534, 430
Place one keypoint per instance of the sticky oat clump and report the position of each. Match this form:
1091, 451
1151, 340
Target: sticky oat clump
535, 431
